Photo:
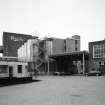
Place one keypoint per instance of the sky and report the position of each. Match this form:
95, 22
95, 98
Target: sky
54, 18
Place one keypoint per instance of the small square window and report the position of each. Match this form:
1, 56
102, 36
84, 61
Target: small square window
99, 63
19, 68
76, 42
76, 49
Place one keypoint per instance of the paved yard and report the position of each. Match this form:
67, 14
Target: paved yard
56, 90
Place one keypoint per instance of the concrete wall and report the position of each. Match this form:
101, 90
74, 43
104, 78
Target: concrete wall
58, 46
70, 45
24, 73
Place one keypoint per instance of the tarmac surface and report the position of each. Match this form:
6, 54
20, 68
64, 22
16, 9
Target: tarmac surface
55, 90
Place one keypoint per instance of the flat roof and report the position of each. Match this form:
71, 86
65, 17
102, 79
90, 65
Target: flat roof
75, 55
95, 42
71, 53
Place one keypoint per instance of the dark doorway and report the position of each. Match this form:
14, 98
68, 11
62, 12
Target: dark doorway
10, 72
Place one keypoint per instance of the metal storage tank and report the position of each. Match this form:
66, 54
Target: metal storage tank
49, 47
26, 51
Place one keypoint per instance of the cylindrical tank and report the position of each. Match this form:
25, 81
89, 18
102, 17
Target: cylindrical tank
27, 51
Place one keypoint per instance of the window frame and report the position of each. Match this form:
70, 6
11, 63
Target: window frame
19, 68
99, 51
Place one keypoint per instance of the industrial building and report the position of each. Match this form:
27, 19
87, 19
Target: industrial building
57, 48
47, 55
60, 46
12, 41
97, 56
51, 55
33, 52
69, 63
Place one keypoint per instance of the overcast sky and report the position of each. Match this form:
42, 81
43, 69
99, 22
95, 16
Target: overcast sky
57, 18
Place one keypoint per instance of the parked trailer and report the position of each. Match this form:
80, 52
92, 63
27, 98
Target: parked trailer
11, 70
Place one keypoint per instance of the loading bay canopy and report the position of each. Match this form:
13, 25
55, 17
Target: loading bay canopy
63, 61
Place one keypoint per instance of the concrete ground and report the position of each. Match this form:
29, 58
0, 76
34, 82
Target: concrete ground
56, 90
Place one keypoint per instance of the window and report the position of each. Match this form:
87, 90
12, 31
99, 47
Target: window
99, 51
19, 68
99, 63
76, 49
76, 45
76, 42
102, 64
64, 45
3, 68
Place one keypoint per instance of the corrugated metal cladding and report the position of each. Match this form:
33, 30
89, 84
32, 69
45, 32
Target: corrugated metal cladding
27, 51
12, 41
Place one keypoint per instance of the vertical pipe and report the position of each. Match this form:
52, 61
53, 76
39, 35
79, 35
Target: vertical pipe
48, 66
83, 64
56, 66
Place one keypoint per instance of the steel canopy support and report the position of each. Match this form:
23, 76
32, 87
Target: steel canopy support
48, 66
83, 64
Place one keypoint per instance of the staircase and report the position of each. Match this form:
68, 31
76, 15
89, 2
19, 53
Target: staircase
39, 59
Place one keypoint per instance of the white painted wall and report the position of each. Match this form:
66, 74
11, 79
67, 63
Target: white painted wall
24, 73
